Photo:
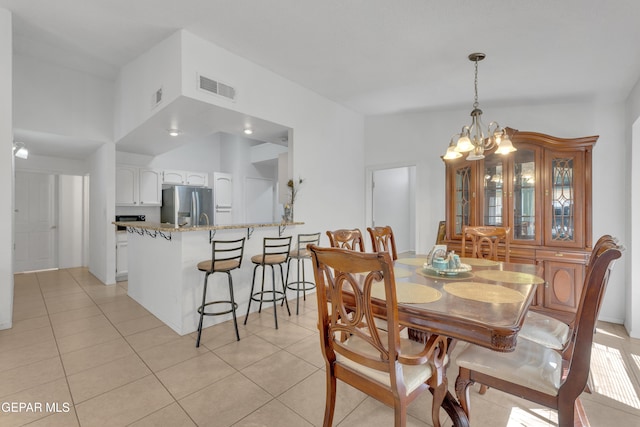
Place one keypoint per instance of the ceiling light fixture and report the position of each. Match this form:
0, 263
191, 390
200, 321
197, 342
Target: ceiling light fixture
248, 131
20, 150
174, 132
473, 139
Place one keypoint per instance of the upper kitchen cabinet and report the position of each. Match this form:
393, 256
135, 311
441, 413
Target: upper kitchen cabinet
543, 193
138, 186
185, 178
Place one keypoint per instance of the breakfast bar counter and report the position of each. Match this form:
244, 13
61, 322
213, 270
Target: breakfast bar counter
163, 276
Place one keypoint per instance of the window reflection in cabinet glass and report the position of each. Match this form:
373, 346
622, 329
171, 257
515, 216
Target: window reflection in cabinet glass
463, 202
562, 200
493, 191
524, 195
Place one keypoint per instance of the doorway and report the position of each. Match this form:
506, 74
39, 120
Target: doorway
393, 203
50, 221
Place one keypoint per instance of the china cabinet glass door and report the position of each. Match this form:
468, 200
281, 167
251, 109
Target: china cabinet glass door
564, 195
462, 200
523, 195
493, 197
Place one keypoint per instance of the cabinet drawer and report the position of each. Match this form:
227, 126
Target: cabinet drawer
562, 256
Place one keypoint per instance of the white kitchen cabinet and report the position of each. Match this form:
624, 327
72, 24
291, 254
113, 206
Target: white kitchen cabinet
185, 178
122, 257
138, 186
150, 187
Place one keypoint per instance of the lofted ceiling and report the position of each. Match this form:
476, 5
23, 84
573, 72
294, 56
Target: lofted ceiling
373, 56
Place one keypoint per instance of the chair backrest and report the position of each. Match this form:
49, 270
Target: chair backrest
346, 239
345, 275
382, 240
226, 253
276, 249
485, 241
595, 284
303, 240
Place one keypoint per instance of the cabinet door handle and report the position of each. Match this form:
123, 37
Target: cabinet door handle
559, 254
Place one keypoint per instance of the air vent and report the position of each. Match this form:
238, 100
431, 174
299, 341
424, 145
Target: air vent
215, 87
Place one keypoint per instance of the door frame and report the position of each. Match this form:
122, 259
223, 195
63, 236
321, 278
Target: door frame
369, 172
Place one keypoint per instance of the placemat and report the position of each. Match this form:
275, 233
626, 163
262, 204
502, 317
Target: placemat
480, 262
483, 292
509, 276
418, 262
434, 275
401, 272
408, 293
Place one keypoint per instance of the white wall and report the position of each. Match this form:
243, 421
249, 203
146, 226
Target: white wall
326, 147
632, 179
102, 201
422, 137
6, 171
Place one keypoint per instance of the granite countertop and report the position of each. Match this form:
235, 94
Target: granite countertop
172, 228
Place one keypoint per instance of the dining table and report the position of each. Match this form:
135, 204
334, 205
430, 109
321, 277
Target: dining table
483, 303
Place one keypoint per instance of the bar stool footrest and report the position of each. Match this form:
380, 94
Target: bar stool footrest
260, 296
217, 313
295, 286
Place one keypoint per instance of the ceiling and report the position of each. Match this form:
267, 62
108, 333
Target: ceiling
373, 56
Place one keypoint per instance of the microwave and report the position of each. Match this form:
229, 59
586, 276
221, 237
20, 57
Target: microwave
128, 218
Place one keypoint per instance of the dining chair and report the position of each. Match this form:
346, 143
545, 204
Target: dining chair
485, 241
381, 364
346, 239
549, 331
538, 373
275, 252
226, 255
382, 239
299, 254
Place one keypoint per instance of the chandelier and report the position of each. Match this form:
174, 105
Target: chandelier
473, 139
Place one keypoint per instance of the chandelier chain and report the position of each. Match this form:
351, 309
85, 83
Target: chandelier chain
475, 82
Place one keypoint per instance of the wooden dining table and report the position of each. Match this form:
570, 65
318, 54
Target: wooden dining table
485, 306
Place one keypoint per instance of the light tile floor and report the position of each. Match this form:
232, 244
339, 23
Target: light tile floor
81, 353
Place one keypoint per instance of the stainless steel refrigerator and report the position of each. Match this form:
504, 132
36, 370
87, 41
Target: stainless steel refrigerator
187, 206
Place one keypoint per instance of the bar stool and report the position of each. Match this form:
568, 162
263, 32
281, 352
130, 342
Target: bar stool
226, 255
300, 253
275, 251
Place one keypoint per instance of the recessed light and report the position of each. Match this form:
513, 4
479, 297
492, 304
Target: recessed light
248, 131
174, 132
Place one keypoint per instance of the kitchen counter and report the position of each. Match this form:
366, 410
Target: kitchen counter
172, 228
162, 272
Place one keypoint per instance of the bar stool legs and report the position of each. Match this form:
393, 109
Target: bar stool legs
300, 253
231, 302
275, 252
226, 255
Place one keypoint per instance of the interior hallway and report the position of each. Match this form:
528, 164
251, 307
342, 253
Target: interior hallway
99, 358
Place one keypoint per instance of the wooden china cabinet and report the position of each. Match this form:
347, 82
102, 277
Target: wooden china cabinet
543, 192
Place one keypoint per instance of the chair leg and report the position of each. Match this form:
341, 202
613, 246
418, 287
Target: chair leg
253, 282
233, 306
462, 389
204, 299
400, 414
264, 267
439, 393
284, 289
483, 389
566, 413
273, 291
330, 402
287, 278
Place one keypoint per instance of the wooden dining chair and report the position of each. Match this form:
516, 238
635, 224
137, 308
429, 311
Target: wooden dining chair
551, 332
383, 240
381, 364
538, 373
346, 239
485, 241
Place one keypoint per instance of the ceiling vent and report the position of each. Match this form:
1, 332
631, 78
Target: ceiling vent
215, 87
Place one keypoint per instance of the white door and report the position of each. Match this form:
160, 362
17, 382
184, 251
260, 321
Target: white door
35, 222
223, 197
259, 200
394, 205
